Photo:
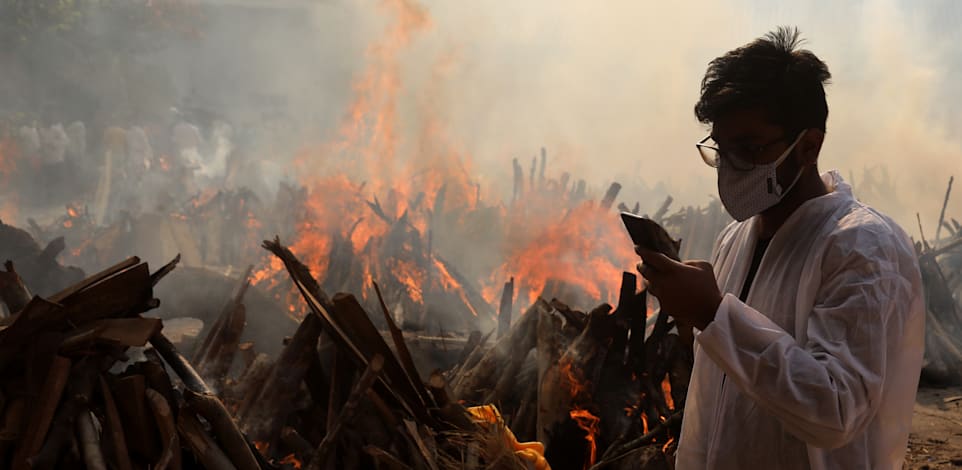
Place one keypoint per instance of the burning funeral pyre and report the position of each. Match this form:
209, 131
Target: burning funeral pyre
581, 389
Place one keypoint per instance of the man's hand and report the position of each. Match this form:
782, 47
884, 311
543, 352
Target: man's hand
687, 291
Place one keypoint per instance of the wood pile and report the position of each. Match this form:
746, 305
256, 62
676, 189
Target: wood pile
341, 396
941, 265
71, 399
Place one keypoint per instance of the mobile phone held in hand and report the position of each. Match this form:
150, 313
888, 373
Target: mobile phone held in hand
647, 234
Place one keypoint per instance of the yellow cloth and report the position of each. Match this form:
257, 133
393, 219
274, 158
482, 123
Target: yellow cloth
531, 452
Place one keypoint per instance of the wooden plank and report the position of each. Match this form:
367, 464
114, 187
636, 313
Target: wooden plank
403, 354
130, 332
90, 281
200, 443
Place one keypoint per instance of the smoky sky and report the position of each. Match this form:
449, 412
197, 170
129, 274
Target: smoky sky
608, 88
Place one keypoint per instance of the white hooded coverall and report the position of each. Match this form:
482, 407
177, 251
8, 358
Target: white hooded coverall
819, 367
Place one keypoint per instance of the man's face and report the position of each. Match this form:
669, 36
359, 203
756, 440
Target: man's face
748, 135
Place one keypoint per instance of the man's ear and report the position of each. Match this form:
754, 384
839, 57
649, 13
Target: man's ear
810, 146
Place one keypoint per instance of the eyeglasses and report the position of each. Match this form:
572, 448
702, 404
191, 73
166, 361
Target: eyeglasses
741, 157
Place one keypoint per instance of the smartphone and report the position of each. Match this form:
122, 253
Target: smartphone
648, 234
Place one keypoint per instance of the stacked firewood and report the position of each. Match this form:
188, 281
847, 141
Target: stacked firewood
593, 388
72, 399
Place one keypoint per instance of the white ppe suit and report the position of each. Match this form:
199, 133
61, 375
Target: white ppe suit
819, 367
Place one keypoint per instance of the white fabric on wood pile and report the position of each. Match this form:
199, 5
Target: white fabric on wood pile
819, 368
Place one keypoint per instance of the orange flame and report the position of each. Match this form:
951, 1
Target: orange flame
584, 248
590, 424
262, 447
291, 459
666, 388
579, 390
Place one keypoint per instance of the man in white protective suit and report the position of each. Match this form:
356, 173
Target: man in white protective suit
809, 320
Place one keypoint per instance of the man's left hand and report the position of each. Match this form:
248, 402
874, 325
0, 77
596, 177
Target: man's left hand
687, 291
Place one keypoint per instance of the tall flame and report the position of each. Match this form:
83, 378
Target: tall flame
584, 248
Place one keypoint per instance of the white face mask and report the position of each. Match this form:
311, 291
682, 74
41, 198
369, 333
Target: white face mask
746, 193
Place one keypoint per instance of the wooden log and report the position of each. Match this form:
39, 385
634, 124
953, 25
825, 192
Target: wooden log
216, 353
113, 428
474, 340
355, 333
221, 356
164, 270
76, 398
43, 413
228, 434
167, 428
504, 312
157, 379
610, 195
139, 424
89, 441
12, 427
450, 410
383, 457
200, 443
507, 354
179, 364
274, 402
356, 322
551, 343
364, 384
251, 383
403, 354
13, 293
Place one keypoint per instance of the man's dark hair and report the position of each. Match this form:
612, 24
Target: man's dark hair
769, 72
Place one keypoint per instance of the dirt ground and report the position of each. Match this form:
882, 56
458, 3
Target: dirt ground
936, 439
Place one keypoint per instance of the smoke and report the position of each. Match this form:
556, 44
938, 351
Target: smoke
609, 91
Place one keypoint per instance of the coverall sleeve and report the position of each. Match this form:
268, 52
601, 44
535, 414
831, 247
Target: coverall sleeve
827, 390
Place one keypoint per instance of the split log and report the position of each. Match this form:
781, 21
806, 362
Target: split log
141, 429
179, 363
13, 293
157, 379
12, 424
347, 412
233, 441
450, 410
113, 427
76, 398
551, 344
403, 354
610, 195
251, 383
350, 331
507, 354
383, 457
43, 412
200, 443
504, 312
167, 429
264, 416
89, 441
216, 353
